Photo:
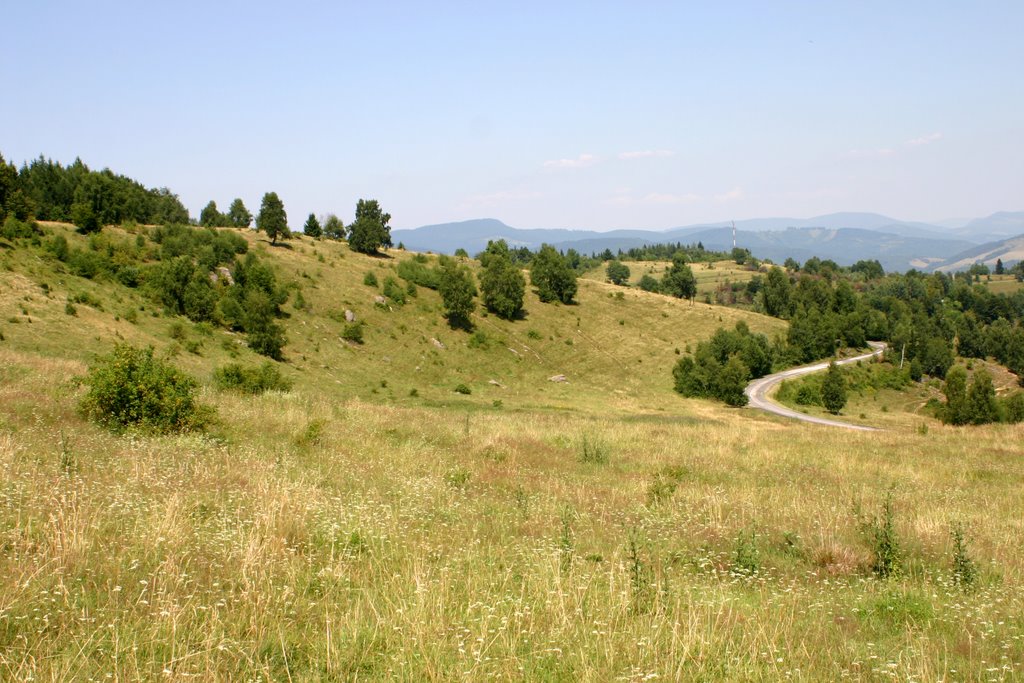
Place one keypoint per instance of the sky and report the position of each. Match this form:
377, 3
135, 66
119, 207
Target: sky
586, 115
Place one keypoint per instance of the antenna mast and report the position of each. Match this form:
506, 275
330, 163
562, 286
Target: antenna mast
734, 234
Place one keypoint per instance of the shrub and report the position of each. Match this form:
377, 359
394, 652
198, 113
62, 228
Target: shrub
370, 280
593, 450
353, 332
965, 571
463, 389
131, 388
746, 560
880, 532
415, 271
250, 380
393, 290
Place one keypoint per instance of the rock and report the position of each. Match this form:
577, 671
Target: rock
224, 274
379, 300
512, 350
350, 317
437, 342
496, 383
558, 378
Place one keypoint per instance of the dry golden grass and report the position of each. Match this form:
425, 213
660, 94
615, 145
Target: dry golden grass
335, 533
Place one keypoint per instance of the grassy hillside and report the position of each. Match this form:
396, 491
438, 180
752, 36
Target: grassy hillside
616, 347
598, 529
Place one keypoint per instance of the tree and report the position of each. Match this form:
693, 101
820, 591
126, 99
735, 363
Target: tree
981, 399
501, 283
618, 272
649, 284
552, 275
370, 231
333, 228
731, 381
457, 290
777, 294
312, 227
679, 280
84, 218
955, 389
239, 215
833, 389
210, 217
8, 183
272, 219
1000, 269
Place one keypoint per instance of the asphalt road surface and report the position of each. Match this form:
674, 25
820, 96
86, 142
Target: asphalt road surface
758, 390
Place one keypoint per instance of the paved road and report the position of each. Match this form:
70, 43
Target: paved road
758, 390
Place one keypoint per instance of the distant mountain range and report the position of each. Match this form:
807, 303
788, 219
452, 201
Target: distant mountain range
843, 237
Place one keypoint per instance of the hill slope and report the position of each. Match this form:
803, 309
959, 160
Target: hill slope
614, 351
1008, 250
599, 529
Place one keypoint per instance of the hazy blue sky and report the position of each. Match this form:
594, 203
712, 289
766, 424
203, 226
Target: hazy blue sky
582, 115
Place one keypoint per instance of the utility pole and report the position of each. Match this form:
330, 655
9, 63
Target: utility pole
734, 234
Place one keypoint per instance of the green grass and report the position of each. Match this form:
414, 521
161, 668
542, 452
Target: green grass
344, 530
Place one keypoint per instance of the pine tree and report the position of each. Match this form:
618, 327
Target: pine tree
312, 228
833, 389
272, 219
210, 217
239, 215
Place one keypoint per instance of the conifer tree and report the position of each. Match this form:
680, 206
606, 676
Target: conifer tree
272, 219
312, 228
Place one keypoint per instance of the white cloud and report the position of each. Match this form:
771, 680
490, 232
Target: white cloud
731, 195
647, 154
582, 161
924, 140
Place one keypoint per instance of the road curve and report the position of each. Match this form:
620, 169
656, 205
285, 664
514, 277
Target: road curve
758, 390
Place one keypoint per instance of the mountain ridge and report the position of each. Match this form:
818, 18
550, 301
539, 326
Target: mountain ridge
844, 237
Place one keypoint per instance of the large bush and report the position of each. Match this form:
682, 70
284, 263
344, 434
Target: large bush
130, 388
250, 380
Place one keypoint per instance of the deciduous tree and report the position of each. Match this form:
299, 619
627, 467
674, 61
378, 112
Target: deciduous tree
833, 389
552, 275
370, 230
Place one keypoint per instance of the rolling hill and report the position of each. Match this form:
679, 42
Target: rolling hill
1009, 251
844, 238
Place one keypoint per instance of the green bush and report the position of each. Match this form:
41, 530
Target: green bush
416, 271
250, 380
463, 389
370, 279
353, 332
394, 291
130, 388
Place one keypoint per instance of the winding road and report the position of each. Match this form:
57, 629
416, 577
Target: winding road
758, 390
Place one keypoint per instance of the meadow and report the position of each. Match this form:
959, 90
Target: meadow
601, 528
